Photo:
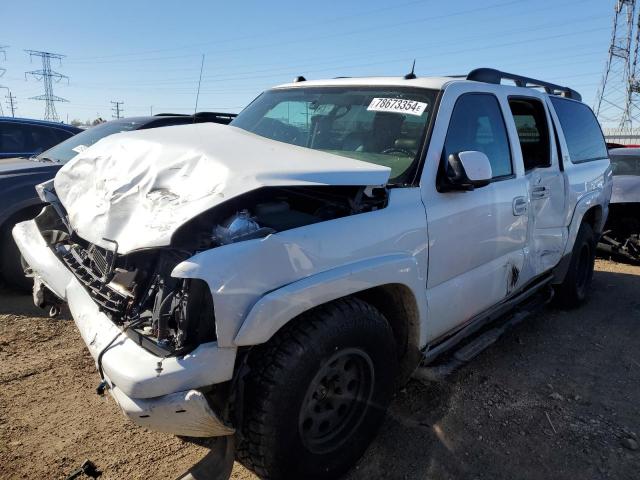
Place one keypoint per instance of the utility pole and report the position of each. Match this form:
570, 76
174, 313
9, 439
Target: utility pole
47, 76
116, 109
11, 102
617, 102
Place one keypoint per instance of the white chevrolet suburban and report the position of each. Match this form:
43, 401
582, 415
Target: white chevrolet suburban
273, 281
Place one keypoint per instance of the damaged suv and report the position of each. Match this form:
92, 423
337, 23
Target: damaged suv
273, 281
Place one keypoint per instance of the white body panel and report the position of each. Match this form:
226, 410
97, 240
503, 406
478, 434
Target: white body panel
626, 189
241, 273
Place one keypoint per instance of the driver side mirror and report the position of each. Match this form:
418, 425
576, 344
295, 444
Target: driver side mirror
468, 170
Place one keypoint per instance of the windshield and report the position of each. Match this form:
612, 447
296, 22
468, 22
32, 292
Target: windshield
65, 151
625, 164
381, 125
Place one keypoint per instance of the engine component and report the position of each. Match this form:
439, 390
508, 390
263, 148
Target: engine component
240, 226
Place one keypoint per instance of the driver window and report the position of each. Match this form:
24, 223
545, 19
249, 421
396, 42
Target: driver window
477, 124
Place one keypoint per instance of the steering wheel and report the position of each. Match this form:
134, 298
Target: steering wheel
404, 151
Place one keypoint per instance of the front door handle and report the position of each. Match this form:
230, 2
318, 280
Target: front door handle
519, 206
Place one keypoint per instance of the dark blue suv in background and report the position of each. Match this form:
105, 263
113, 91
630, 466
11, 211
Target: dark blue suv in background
24, 137
19, 176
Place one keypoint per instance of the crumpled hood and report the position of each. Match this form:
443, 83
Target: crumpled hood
137, 188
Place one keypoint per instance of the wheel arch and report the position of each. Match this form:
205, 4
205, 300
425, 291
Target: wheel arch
390, 284
593, 216
21, 211
593, 211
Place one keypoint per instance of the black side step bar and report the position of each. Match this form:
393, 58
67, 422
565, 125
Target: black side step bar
521, 306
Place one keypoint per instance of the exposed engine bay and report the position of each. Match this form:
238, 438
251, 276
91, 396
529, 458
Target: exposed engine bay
172, 315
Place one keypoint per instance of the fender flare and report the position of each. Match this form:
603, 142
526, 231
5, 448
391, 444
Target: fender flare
16, 208
278, 307
590, 200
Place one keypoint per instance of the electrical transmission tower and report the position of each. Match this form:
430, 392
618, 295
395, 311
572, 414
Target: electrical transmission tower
3, 51
117, 109
47, 76
617, 102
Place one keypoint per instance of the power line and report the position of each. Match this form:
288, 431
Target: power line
342, 33
47, 76
116, 109
289, 69
359, 14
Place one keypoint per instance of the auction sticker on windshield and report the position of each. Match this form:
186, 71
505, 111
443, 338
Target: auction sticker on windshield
397, 105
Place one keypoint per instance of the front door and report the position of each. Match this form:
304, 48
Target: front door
476, 238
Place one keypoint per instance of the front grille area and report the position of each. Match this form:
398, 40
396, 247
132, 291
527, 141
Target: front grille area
91, 267
101, 260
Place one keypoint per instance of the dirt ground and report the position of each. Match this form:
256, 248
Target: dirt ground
556, 398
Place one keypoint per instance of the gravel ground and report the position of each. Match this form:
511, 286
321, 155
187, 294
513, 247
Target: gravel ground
557, 397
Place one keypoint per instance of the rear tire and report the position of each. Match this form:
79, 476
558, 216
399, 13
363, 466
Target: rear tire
574, 290
317, 392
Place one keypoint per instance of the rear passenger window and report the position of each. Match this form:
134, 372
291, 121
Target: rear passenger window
13, 138
477, 124
41, 138
581, 130
62, 135
533, 132
23, 139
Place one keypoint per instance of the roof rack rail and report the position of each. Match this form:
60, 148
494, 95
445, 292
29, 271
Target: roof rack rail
197, 114
490, 75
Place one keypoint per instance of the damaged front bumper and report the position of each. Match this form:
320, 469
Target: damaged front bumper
161, 393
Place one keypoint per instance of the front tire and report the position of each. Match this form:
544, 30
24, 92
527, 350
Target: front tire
574, 290
317, 392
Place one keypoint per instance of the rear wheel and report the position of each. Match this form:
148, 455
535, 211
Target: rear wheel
574, 290
317, 392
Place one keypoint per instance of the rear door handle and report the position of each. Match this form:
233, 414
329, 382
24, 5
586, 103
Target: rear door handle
519, 206
539, 192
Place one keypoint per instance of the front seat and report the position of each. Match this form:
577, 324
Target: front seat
386, 130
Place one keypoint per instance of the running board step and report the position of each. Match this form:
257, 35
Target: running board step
471, 349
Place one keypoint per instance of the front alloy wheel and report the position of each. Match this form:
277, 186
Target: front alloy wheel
317, 392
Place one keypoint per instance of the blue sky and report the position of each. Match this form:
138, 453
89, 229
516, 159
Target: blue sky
148, 53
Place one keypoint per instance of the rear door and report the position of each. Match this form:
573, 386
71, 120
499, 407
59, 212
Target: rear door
546, 188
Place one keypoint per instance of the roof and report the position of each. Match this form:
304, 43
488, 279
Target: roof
436, 83
44, 123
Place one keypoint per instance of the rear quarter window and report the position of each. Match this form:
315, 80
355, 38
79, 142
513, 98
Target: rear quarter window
581, 130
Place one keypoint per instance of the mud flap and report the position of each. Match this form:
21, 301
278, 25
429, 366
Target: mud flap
217, 464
